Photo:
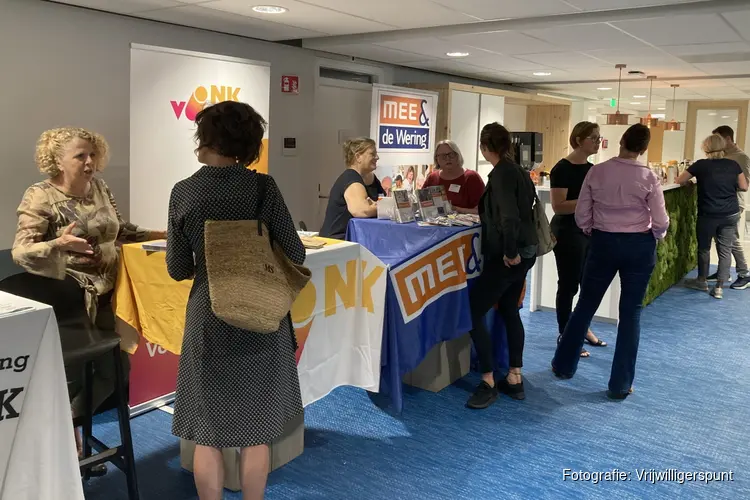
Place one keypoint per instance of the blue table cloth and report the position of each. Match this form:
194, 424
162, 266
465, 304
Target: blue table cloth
409, 331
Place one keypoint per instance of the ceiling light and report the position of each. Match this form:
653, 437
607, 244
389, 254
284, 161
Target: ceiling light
269, 9
604, 88
661, 109
639, 97
542, 73
635, 103
712, 114
456, 54
724, 117
592, 109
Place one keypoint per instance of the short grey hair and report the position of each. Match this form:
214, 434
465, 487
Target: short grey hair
454, 148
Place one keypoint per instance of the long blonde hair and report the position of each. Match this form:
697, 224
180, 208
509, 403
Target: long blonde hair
714, 146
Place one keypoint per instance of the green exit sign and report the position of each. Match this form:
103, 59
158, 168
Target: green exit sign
613, 103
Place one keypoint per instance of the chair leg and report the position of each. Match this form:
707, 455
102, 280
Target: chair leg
123, 417
88, 417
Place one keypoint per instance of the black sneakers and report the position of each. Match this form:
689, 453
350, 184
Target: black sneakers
483, 396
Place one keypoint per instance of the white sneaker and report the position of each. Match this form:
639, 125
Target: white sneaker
717, 293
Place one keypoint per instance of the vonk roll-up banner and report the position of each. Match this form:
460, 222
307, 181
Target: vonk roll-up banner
403, 124
168, 88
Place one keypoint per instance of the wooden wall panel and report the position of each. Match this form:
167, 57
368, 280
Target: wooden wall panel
553, 121
656, 146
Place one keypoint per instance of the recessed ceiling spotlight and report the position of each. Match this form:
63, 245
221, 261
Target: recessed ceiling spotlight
269, 9
724, 117
635, 103
661, 109
592, 109
639, 97
456, 54
712, 114
542, 73
604, 88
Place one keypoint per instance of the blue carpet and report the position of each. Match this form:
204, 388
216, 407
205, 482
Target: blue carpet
689, 412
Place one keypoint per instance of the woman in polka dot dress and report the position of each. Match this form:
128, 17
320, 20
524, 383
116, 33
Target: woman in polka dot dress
235, 388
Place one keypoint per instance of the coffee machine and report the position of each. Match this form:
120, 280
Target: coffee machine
527, 148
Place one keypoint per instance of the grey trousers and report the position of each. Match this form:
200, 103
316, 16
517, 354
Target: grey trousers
724, 231
739, 253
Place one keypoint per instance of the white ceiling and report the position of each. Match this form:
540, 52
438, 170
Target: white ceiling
699, 51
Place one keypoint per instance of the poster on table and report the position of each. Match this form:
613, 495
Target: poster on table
168, 88
403, 124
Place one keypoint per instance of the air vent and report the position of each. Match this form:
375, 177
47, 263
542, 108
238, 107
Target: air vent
349, 76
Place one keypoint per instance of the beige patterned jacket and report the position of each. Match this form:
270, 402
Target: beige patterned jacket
43, 215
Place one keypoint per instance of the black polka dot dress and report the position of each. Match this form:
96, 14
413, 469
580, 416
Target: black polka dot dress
235, 388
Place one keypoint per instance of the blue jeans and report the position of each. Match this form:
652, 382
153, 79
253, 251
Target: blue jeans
633, 256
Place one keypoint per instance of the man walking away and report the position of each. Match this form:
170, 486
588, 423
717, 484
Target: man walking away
733, 152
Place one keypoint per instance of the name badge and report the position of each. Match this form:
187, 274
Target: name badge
455, 188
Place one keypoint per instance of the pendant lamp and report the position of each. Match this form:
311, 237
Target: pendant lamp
648, 121
618, 118
673, 124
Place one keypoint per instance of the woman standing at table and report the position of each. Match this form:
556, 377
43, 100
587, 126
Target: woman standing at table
509, 246
463, 187
719, 180
69, 225
355, 192
621, 206
235, 388
566, 179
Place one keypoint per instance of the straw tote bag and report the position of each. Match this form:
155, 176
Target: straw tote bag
252, 283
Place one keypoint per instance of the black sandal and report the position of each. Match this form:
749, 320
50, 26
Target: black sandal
584, 352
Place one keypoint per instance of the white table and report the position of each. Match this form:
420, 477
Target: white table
544, 276
38, 458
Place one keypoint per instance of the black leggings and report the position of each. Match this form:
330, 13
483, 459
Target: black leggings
570, 256
501, 285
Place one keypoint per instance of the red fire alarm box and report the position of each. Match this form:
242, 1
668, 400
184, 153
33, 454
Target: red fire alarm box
605, 143
290, 84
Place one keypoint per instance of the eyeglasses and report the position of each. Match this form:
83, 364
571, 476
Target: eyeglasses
447, 156
596, 139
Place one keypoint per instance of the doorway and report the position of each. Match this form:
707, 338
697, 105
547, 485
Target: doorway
342, 112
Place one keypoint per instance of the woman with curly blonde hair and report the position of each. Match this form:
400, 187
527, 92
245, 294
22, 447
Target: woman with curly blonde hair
69, 225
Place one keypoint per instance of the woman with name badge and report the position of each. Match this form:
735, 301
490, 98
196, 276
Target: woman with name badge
463, 187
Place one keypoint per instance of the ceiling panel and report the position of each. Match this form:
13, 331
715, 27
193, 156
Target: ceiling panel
432, 47
635, 58
505, 9
123, 6
729, 68
620, 4
200, 17
565, 60
506, 42
378, 53
707, 49
302, 15
676, 30
741, 22
398, 13
586, 37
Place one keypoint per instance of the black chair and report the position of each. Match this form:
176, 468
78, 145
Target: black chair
302, 226
83, 344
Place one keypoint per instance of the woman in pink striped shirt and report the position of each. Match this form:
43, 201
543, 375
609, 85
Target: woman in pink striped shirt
622, 206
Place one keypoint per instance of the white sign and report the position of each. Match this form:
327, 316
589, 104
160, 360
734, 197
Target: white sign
403, 124
167, 90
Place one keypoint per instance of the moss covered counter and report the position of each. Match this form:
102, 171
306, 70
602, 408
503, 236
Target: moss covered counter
676, 256
678, 253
